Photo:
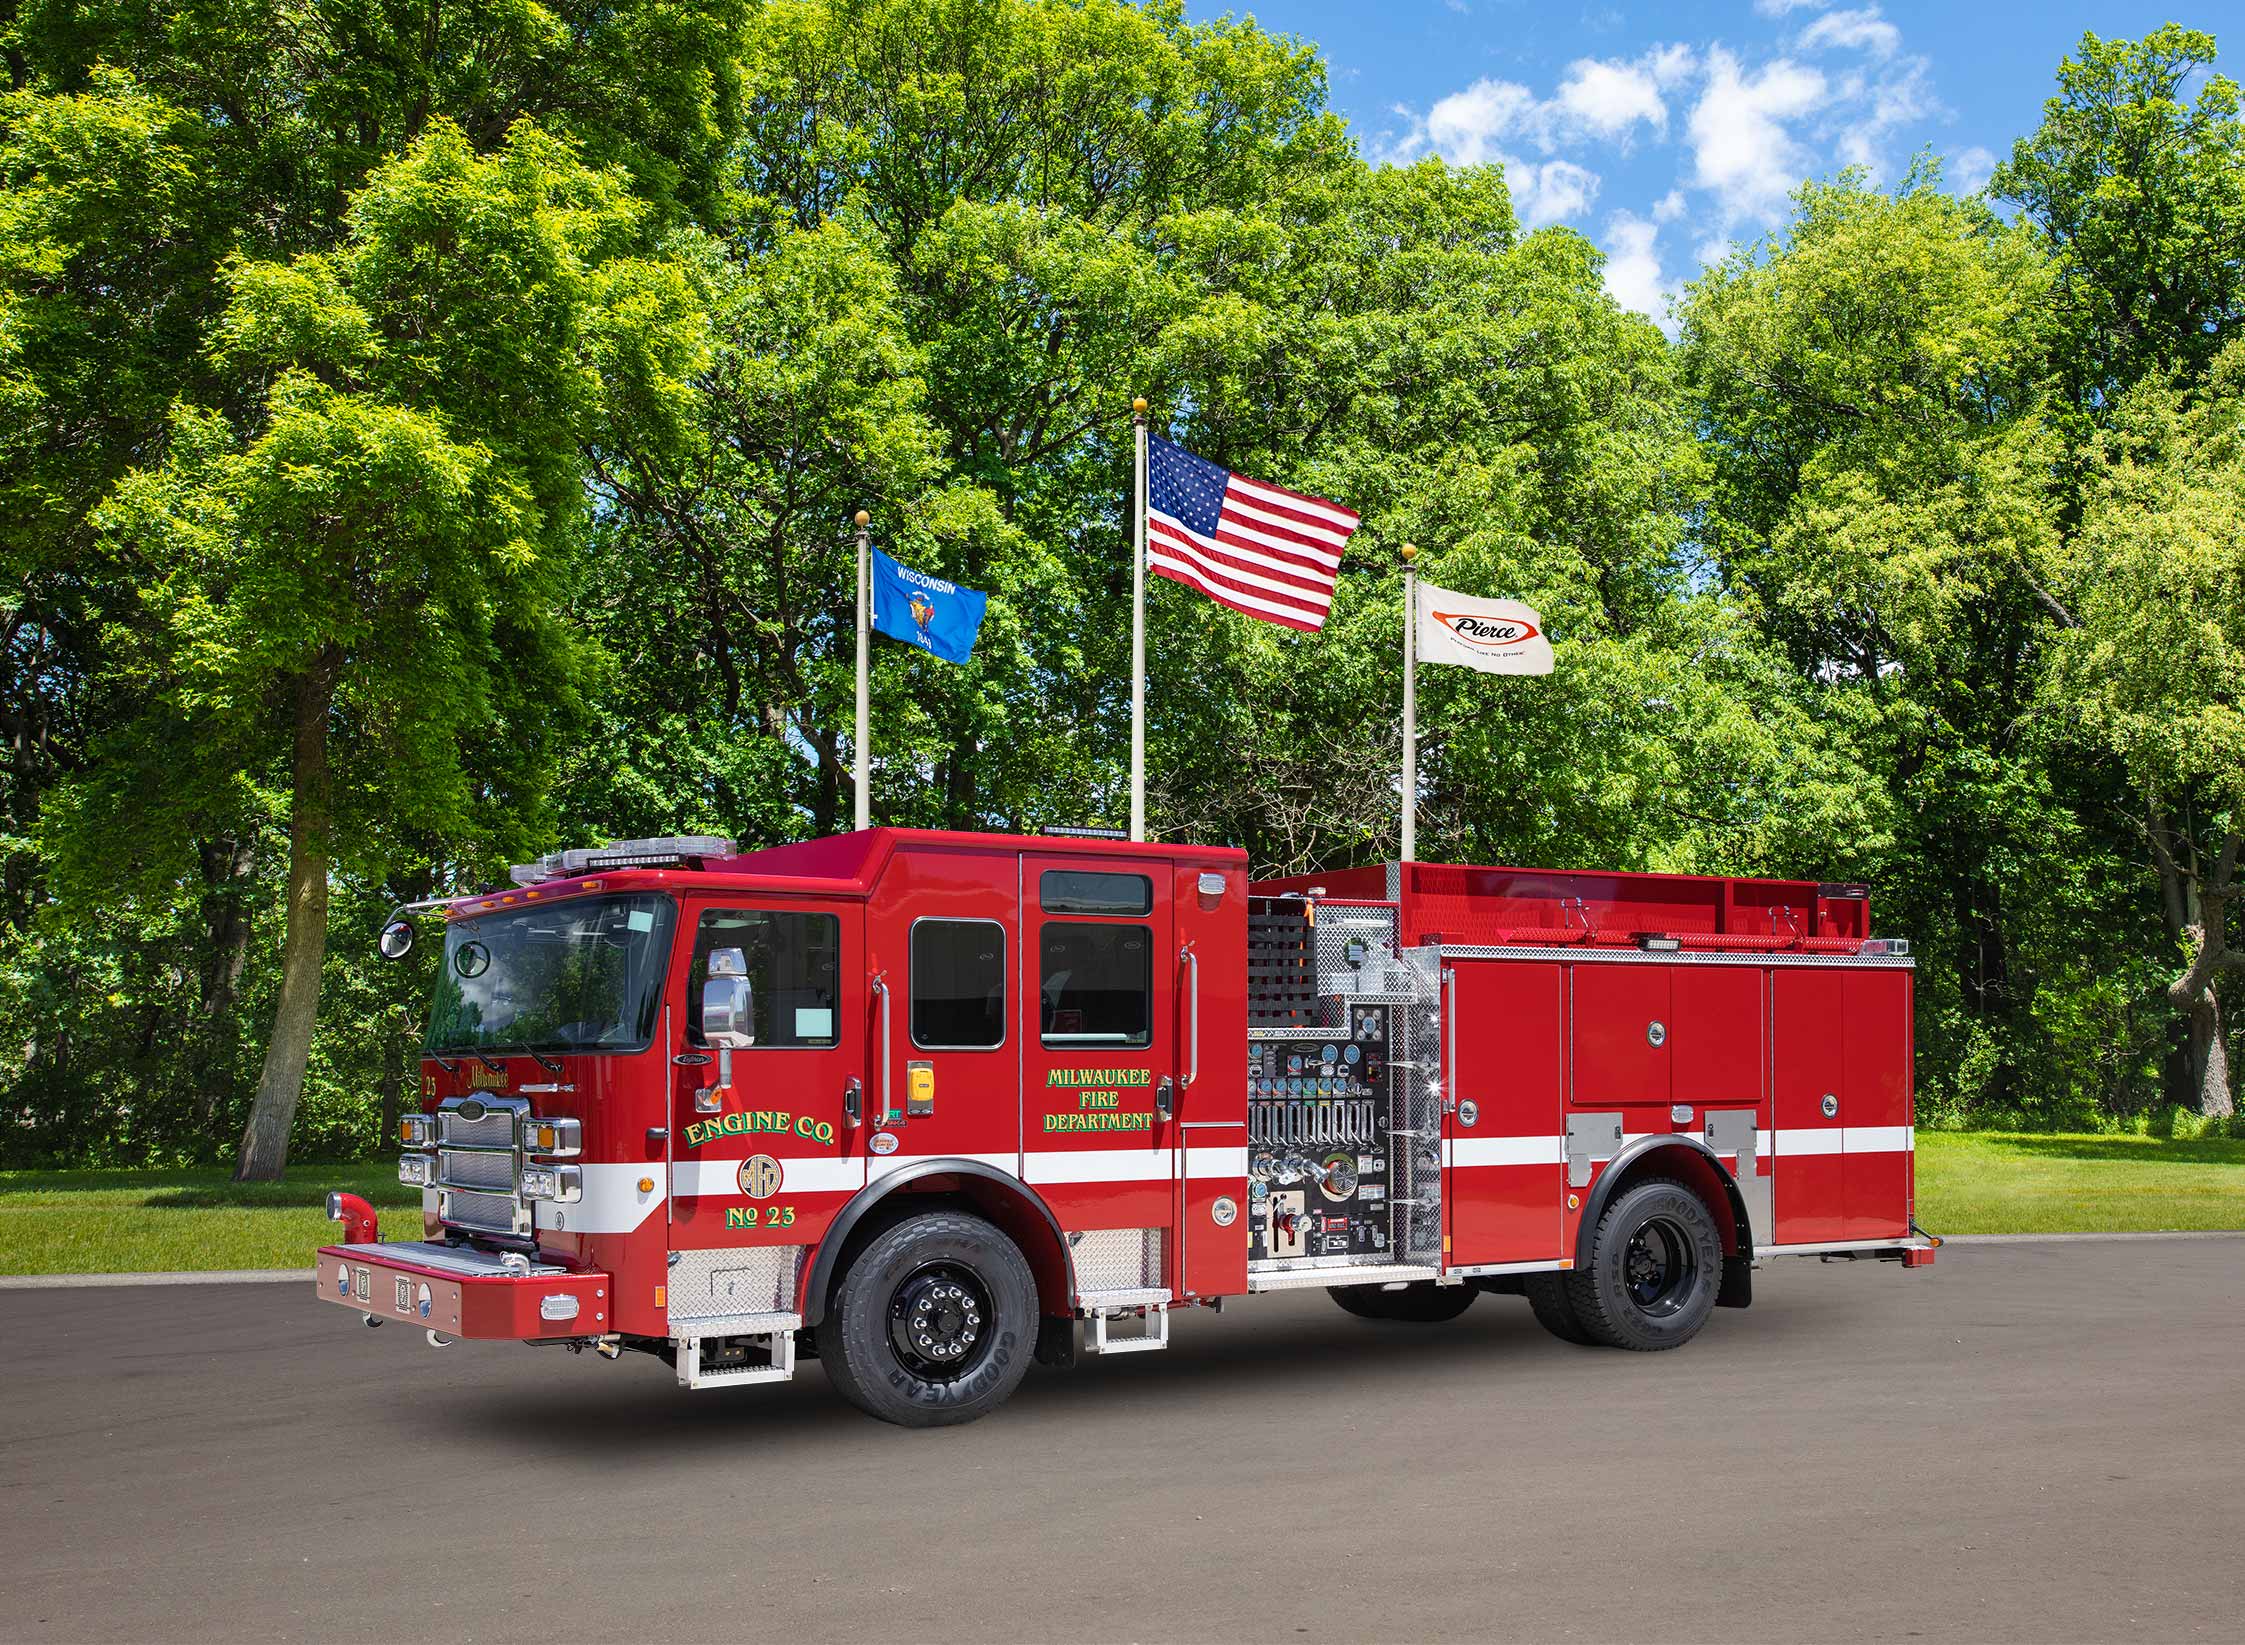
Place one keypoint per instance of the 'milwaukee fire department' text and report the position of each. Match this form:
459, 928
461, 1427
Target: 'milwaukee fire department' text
1101, 1109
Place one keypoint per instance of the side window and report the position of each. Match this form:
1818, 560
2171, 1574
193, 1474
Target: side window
1097, 983
794, 964
958, 985
1080, 891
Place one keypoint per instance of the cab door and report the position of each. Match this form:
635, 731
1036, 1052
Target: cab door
1098, 987
766, 1156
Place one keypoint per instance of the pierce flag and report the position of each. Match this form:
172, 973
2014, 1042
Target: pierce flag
937, 616
1495, 636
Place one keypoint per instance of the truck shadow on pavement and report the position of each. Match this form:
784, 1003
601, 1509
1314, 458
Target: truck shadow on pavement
637, 1411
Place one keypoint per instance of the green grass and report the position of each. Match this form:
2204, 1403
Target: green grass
93, 1222
1983, 1182
87, 1222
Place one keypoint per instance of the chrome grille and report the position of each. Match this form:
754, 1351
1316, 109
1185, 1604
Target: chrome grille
496, 1212
492, 1171
494, 1130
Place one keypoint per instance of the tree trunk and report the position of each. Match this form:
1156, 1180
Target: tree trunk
304, 946
2193, 993
2209, 1056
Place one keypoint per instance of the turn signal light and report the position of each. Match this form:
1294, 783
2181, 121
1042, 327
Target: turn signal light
418, 1130
559, 1137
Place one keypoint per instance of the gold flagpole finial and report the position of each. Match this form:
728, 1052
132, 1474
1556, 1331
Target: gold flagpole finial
1138, 406
1410, 552
863, 519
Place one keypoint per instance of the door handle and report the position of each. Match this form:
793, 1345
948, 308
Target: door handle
1192, 967
1449, 1079
1164, 1098
853, 1102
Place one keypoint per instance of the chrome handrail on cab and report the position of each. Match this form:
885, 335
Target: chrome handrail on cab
1192, 962
880, 986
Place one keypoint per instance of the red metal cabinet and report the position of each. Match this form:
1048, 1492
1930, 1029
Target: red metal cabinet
1506, 1173
1808, 1067
1718, 1039
1875, 1107
1622, 1015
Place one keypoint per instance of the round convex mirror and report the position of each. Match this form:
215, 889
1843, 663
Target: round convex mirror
397, 939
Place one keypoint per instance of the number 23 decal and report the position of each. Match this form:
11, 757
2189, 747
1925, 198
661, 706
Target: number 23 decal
772, 1216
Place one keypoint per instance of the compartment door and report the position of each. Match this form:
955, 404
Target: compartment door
1808, 1066
1875, 1107
1504, 1175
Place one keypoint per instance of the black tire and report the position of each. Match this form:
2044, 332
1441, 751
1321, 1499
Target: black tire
1554, 1310
1656, 1264
963, 1290
1425, 1303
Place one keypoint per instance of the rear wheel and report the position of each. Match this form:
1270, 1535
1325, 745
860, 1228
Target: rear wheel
935, 1322
1422, 1304
1656, 1263
1555, 1310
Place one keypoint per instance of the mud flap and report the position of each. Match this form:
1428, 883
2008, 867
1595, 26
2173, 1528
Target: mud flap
1738, 1283
1056, 1342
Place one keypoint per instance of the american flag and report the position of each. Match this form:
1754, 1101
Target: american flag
1257, 548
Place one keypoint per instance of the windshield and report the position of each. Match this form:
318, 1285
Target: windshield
583, 975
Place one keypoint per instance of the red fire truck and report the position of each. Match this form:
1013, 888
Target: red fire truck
930, 1105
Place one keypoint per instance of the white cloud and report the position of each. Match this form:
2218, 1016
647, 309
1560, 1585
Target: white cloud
1551, 192
1633, 267
1970, 170
1610, 98
1742, 147
1782, 8
1669, 206
1903, 94
1864, 30
1466, 126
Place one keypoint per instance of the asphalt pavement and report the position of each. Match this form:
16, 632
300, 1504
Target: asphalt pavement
2026, 1442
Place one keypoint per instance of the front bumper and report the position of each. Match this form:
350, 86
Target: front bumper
464, 1292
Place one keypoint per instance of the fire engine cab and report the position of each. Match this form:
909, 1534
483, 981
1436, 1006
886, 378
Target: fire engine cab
930, 1105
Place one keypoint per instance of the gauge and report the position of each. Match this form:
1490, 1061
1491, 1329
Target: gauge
1354, 1054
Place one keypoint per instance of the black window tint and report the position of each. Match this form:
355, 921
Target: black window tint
794, 964
1075, 891
958, 984
1097, 983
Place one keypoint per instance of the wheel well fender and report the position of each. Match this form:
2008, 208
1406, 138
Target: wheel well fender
969, 1185
1688, 1160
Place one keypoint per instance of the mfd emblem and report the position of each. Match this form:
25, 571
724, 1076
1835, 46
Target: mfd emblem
760, 1176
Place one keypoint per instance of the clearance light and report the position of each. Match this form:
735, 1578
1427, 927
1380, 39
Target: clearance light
564, 1184
418, 1130
416, 1170
1658, 944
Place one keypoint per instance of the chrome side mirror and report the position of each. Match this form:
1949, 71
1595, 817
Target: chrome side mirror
397, 939
728, 1009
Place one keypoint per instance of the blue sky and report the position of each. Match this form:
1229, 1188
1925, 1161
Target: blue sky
1665, 133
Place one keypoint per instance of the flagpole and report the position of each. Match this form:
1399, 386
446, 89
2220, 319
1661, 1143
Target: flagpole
864, 676
1138, 626
1410, 706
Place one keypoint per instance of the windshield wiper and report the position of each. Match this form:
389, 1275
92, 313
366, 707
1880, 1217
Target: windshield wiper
519, 1049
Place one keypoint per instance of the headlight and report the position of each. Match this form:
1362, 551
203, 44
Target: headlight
564, 1183
565, 1138
418, 1130
416, 1170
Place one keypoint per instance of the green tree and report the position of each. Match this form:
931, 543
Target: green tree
359, 582
2152, 666
2141, 198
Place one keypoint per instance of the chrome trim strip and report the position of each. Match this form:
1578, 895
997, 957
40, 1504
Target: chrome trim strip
1685, 956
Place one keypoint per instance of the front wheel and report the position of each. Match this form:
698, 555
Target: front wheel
1656, 1262
935, 1322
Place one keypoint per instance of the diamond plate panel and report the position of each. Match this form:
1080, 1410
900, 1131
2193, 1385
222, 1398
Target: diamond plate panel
708, 1287
1356, 956
1117, 1259
1415, 1114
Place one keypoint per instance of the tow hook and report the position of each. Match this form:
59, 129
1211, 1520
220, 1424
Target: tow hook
370, 1322
436, 1340
609, 1347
